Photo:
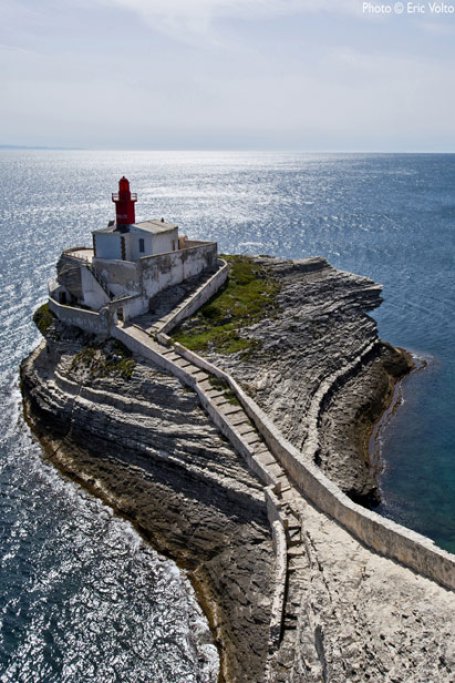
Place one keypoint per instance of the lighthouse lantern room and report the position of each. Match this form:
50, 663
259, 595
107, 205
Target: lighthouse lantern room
124, 203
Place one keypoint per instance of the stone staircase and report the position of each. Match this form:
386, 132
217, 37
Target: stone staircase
239, 429
168, 301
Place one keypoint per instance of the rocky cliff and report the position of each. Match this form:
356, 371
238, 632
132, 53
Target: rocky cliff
136, 437
318, 325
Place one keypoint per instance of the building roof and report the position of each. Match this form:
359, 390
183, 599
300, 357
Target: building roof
154, 225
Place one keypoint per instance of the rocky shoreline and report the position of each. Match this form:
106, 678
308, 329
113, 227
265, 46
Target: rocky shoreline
320, 324
139, 440
158, 461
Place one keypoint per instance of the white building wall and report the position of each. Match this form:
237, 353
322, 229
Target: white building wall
144, 278
128, 241
107, 245
164, 270
164, 242
94, 295
123, 277
136, 235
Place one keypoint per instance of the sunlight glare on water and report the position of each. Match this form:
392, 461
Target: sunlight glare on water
83, 599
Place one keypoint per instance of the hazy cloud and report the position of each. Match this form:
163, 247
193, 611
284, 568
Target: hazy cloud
320, 77
198, 16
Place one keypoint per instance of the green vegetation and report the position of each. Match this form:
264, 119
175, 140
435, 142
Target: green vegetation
43, 318
223, 386
112, 360
249, 295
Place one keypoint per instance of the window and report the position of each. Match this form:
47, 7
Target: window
141, 245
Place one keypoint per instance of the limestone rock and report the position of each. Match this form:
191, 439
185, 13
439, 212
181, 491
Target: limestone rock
145, 446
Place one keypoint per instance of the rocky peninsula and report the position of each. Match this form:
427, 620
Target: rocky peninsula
138, 438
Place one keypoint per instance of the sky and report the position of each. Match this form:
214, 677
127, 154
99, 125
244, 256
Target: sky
304, 75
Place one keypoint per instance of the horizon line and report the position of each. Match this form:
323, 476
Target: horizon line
276, 150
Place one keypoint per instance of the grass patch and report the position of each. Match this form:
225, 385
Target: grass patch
223, 386
43, 318
248, 296
111, 360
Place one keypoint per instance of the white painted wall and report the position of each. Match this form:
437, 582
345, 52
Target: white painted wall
94, 295
123, 277
135, 235
164, 242
135, 307
164, 270
107, 245
146, 277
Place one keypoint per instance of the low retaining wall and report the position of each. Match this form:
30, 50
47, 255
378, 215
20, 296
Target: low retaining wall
89, 321
277, 524
146, 350
196, 300
378, 533
235, 439
136, 346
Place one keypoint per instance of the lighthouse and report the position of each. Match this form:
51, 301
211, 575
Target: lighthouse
129, 265
124, 203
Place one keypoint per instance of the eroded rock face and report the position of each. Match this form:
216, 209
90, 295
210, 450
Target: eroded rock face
364, 618
144, 445
320, 326
147, 448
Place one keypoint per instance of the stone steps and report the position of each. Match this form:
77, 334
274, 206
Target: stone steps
235, 416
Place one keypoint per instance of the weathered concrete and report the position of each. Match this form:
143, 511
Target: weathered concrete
89, 321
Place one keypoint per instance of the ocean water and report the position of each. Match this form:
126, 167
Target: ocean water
82, 598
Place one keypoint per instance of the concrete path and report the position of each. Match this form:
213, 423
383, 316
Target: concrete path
232, 415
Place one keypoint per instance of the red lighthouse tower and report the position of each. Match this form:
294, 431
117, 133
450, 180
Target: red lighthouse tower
124, 203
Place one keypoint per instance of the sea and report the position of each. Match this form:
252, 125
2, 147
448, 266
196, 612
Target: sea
82, 597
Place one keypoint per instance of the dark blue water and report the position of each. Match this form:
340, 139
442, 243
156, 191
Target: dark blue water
82, 599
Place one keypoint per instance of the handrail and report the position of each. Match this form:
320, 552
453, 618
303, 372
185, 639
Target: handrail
132, 196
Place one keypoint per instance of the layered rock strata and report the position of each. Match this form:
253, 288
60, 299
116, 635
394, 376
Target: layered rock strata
320, 325
145, 446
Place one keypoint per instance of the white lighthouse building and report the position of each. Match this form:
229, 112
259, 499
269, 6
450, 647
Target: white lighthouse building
129, 241
128, 266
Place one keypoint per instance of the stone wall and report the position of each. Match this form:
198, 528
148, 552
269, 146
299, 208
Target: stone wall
89, 321
191, 304
165, 270
378, 533
123, 277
